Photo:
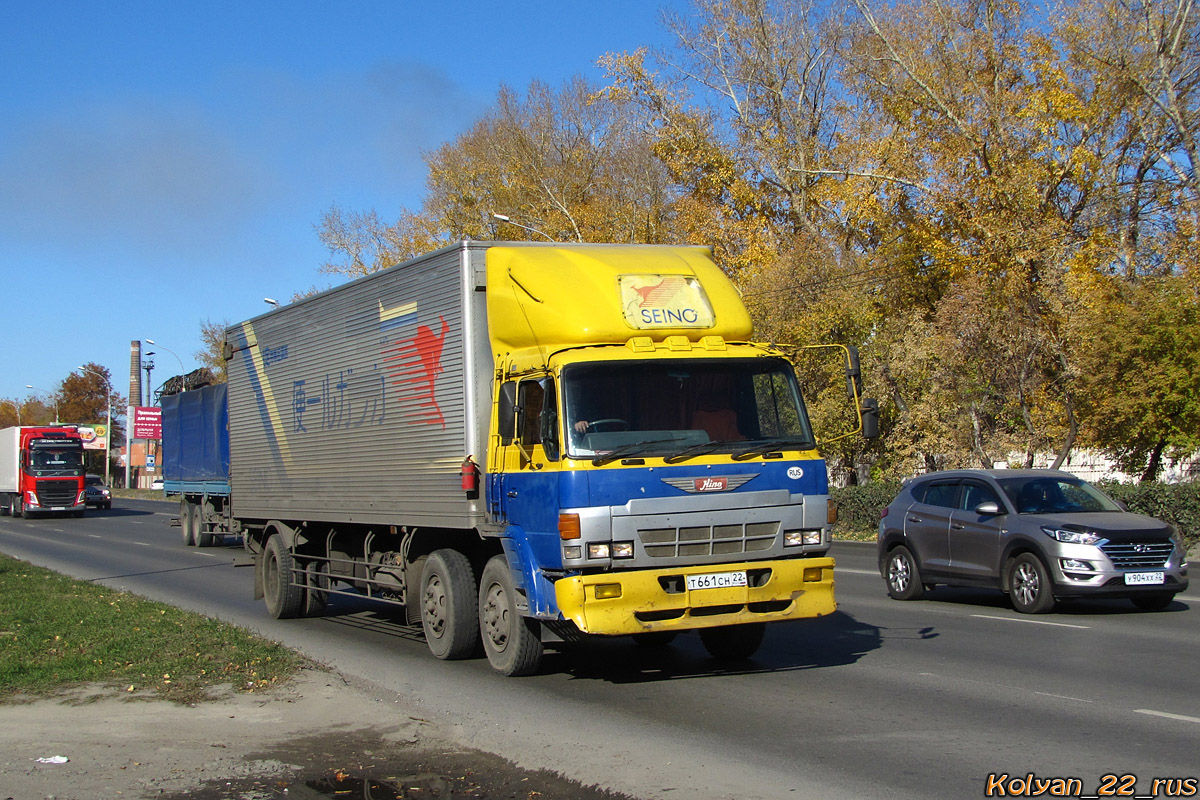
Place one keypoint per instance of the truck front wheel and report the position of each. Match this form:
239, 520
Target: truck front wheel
448, 605
284, 598
511, 641
16, 506
733, 642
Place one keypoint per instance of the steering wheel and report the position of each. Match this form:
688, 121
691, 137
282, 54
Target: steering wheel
612, 424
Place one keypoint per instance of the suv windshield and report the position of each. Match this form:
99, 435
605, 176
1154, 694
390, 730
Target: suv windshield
1055, 496
682, 409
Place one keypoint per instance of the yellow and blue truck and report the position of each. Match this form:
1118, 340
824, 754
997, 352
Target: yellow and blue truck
524, 443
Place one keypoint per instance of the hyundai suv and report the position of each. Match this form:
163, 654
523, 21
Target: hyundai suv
1038, 535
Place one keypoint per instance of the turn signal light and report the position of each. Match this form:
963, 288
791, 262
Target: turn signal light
568, 526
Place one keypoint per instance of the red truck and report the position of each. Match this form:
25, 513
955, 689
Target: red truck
41, 470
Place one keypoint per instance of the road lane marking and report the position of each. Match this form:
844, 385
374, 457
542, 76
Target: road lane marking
849, 571
1009, 687
1181, 717
143, 544
95, 536
1064, 697
1032, 621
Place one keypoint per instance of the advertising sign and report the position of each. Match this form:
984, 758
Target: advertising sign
95, 437
147, 422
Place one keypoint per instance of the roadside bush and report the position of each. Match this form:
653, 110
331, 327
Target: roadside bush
1176, 503
859, 506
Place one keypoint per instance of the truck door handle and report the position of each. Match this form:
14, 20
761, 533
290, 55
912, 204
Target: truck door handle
512, 492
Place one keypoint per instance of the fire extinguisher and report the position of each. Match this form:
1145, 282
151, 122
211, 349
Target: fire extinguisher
470, 476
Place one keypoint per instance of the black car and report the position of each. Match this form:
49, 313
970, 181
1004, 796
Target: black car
1037, 535
97, 494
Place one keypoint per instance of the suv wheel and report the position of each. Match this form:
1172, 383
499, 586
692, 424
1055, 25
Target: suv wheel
1029, 585
903, 578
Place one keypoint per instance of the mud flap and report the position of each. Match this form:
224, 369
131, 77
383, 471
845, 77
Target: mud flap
259, 594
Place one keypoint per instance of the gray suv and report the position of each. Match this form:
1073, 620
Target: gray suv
1038, 535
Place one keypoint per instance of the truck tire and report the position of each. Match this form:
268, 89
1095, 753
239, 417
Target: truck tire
733, 642
203, 537
16, 506
284, 598
186, 522
512, 642
448, 605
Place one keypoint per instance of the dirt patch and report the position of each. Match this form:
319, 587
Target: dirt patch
316, 737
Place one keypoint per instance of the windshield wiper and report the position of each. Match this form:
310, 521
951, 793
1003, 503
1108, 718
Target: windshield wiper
627, 450
697, 450
762, 448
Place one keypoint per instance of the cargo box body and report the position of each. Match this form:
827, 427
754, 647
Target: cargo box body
360, 404
10, 459
195, 427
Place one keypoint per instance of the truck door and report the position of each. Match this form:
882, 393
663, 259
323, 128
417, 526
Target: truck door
526, 482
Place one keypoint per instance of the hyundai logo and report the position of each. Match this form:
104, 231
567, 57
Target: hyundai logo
1142, 548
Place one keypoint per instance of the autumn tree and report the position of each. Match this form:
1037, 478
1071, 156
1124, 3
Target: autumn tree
212, 355
564, 164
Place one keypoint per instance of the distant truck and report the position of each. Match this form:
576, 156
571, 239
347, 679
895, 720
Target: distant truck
195, 415
41, 471
521, 444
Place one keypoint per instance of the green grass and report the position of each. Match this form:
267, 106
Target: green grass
57, 633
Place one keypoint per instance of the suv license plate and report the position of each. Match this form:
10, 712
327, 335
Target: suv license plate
1143, 578
716, 580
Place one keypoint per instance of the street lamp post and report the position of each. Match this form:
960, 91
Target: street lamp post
169, 350
511, 221
107, 421
51, 396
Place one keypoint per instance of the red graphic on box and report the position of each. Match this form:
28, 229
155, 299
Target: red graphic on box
660, 293
413, 365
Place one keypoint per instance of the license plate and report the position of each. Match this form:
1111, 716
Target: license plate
716, 580
1143, 578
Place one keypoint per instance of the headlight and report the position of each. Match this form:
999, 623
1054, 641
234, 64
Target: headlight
622, 550
598, 550
797, 538
1074, 537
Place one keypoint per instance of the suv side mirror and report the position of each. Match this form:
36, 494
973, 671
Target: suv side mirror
988, 509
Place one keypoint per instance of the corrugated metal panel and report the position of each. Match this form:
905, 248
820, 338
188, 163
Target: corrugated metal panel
359, 404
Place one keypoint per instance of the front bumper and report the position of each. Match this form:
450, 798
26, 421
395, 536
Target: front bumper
640, 601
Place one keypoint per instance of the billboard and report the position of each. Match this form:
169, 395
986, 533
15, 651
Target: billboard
95, 437
147, 422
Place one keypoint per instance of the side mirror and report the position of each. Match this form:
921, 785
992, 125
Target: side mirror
870, 418
988, 509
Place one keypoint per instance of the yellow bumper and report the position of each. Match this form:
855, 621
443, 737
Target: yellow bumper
657, 600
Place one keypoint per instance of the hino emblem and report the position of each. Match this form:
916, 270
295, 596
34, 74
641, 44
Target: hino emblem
709, 483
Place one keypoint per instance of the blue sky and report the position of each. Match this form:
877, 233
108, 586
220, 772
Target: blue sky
164, 164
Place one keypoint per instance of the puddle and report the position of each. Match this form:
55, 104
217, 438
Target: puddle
342, 785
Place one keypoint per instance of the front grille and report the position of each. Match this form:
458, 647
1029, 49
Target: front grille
1139, 555
709, 540
57, 493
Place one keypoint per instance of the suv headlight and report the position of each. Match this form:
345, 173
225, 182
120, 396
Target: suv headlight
1074, 537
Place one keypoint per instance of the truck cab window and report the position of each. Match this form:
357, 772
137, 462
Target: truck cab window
538, 418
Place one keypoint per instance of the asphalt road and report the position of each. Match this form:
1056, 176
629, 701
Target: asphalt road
935, 698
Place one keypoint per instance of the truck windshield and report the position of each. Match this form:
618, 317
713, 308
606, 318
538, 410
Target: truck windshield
682, 409
62, 460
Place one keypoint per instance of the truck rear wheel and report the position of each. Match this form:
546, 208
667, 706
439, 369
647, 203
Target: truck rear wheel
511, 641
284, 598
203, 537
733, 642
185, 522
448, 604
